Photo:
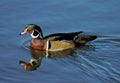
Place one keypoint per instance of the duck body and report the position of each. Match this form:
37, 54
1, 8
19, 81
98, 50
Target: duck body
56, 42
51, 45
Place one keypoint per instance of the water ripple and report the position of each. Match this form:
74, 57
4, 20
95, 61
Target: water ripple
26, 44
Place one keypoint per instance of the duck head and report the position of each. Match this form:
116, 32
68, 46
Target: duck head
34, 30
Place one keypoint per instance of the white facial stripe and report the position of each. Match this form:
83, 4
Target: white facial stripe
33, 35
32, 61
40, 35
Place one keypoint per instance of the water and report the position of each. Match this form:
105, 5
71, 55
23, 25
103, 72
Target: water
98, 62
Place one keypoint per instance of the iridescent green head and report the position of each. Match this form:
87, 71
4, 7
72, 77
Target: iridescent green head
34, 30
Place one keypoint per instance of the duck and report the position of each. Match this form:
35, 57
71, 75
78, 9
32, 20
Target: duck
56, 41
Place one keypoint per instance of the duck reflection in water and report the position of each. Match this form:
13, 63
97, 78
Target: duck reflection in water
37, 55
33, 64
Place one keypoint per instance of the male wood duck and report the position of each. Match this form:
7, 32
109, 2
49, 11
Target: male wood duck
57, 41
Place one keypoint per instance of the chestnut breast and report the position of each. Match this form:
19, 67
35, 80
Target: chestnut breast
38, 44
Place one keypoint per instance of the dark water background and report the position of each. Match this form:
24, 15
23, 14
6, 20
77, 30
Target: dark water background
99, 64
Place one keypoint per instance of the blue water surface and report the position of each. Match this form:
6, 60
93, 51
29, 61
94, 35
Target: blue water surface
96, 63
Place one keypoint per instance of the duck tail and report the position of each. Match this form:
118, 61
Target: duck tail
82, 39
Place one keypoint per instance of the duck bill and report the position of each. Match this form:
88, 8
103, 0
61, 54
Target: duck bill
24, 32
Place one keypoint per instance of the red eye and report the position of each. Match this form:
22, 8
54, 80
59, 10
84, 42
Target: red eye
30, 28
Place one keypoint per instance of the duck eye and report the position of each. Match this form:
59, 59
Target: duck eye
30, 29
